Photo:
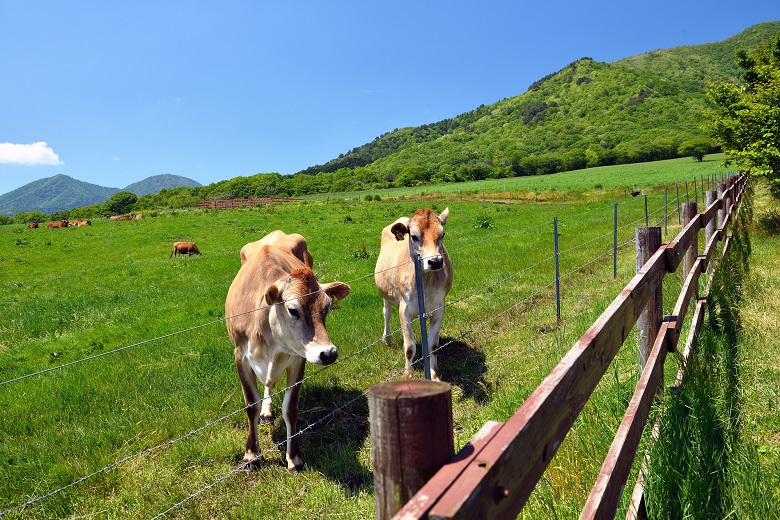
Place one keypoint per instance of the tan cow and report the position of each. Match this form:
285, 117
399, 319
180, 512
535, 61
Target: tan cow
395, 279
60, 224
276, 311
180, 248
294, 242
32, 225
79, 222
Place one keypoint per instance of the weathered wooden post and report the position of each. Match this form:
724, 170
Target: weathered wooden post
722, 209
689, 213
709, 230
648, 240
411, 438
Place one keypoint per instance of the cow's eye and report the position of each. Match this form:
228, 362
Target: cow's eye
415, 238
294, 313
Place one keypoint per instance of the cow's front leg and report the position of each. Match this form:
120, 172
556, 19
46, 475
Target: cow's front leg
434, 326
290, 412
266, 415
406, 314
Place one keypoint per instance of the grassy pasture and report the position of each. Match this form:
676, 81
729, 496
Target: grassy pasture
152, 361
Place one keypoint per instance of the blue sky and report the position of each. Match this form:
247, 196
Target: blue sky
113, 92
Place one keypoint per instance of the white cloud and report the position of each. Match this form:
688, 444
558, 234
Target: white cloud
36, 153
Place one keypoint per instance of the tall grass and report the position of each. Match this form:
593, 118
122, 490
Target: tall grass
704, 465
152, 362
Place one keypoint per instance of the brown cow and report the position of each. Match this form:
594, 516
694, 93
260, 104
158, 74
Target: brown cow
60, 224
32, 225
294, 242
180, 248
79, 222
276, 311
395, 278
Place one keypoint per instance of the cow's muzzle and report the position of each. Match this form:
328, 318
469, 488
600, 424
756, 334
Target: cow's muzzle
435, 263
328, 355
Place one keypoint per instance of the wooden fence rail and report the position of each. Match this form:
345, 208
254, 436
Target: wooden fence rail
495, 473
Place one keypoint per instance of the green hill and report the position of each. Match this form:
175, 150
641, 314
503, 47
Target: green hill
53, 194
587, 114
154, 184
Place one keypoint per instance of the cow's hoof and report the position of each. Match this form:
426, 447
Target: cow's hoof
295, 465
252, 464
407, 374
266, 419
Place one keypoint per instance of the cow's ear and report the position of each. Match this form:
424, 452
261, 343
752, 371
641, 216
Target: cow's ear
272, 294
399, 229
336, 290
444, 215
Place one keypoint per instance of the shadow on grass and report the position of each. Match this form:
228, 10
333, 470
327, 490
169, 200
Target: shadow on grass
335, 436
464, 366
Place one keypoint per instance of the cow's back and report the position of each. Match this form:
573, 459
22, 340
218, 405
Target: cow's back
293, 242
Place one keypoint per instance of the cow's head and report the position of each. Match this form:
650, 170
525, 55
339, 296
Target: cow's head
297, 316
426, 232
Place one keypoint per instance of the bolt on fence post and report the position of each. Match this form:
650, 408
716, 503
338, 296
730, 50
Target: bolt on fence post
557, 270
614, 243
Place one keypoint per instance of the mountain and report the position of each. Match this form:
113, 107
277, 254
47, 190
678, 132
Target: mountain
589, 113
61, 192
53, 194
154, 184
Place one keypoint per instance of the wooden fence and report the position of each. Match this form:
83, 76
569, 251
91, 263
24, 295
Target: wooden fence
238, 203
493, 475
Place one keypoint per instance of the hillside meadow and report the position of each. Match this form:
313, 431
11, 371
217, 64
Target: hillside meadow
115, 364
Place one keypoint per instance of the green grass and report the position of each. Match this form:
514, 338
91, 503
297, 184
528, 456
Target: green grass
75, 293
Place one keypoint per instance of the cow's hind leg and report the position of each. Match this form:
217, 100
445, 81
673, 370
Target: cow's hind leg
290, 413
387, 311
252, 400
433, 340
409, 346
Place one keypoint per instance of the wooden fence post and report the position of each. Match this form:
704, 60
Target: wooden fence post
411, 438
689, 212
709, 230
648, 240
722, 209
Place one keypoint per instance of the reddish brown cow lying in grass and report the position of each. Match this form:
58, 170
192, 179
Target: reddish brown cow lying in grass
32, 225
180, 248
60, 224
79, 222
275, 311
394, 276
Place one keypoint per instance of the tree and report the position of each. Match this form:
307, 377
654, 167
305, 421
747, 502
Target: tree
121, 203
696, 148
745, 120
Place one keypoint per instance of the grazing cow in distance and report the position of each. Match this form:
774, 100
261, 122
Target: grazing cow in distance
60, 224
32, 225
180, 248
294, 242
422, 234
275, 310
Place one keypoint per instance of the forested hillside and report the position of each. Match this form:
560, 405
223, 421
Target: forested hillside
588, 114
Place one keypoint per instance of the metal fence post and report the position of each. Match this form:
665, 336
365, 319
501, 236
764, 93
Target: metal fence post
421, 310
614, 242
557, 270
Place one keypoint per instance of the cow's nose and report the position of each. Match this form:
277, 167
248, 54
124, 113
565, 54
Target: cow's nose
436, 263
329, 355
